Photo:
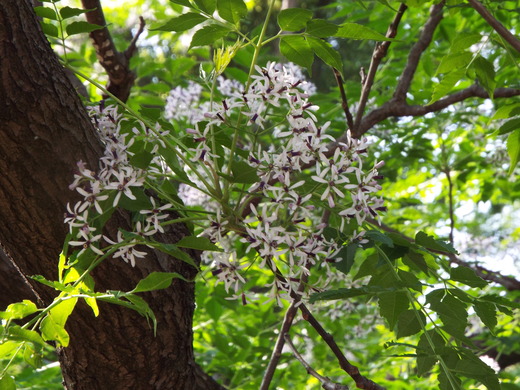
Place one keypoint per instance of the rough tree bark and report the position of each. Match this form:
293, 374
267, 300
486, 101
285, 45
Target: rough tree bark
44, 131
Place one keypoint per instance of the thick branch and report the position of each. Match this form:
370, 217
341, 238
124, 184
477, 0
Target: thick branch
394, 108
116, 64
497, 26
379, 53
415, 53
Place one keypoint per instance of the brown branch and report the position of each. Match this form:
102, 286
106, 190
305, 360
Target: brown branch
280, 342
415, 53
510, 283
326, 383
394, 108
116, 64
344, 104
497, 26
379, 53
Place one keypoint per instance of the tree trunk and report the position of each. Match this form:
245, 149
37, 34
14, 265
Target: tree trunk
44, 131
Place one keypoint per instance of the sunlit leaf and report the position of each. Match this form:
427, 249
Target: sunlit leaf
294, 19
297, 50
513, 149
358, 31
231, 10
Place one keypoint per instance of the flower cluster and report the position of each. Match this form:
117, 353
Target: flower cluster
117, 178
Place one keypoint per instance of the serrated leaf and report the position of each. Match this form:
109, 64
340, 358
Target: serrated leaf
81, 27
32, 356
487, 313
452, 312
321, 28
185, 3
463, 41
17, 333
207, 6
426, 355
513, 149
421, 238
46, 12
50, 30
209, 34
485, 72
506, 112
376, 236
325, 51
243, 173
7, 383
467, 276
346, 254
231, 10
358, 31
19, 310
391, 305
477, 369
199, 243
157, 281
454, 61
293, 19
68, 12
296, 49
408, 323
509, 126
443, 87
343, 293
182, 23
415, 260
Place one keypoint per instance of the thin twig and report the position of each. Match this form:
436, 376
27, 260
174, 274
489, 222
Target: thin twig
326, 383
379, 53
344, 101
420, 46
497, 26
131, 49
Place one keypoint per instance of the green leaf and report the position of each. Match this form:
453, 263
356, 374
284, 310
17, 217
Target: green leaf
463, 41
454, 61
8, 348
19, 310
415, 260
46, 12
467, 276
325, 51
141, 159
32, 356
297, 50
7, 383
376, 236
358, 31
81, 27
231, 10
321, 28
477, 369
92, 303
185, 3
53, 330
68, 12
513, 149
391, 305
506, 112
173, 251
426, 355
344, 293
509, 126
368, 266
408, 324
157, 281
17, 333
443, 87
485, 72
207, 6
452, 312
209, 34
421, 238
487, 313
293, 19
243, 173
182, 23
50, 30
199, 243
346, 254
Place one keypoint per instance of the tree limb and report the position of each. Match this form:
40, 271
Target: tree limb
497, 26
116, 64
415, 53
395, 108
379, 53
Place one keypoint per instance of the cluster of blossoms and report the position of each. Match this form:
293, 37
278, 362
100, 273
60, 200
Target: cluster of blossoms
115, 178
283, 229
299, 175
